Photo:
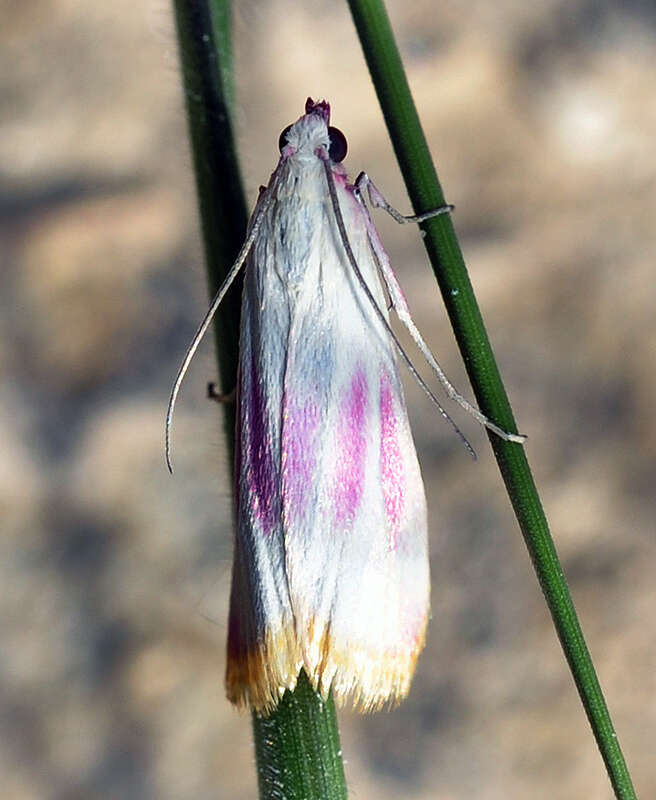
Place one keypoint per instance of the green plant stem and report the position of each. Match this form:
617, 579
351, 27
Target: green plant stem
297, 747
414, 158
206, 58
301, 722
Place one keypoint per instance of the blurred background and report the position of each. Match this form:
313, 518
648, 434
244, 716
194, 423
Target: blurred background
114, 576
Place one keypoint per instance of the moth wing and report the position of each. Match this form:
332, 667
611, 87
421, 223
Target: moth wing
353, 504
264, 657
330, 562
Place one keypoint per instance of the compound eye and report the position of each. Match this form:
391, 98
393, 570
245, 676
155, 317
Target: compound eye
282, 141
338, 146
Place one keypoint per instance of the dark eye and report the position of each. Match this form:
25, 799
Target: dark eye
282, 141
338, 146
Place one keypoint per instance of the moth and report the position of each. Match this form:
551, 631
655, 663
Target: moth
330, 571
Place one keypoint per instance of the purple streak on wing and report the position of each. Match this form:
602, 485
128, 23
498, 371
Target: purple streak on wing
260, 467
351, 450
299, 446
238, 459
391, 461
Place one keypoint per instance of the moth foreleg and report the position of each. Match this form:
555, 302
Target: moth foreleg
377, 200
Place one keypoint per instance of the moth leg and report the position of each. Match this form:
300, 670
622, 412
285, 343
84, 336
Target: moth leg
403, 312
214, 394
339, 220
363, 181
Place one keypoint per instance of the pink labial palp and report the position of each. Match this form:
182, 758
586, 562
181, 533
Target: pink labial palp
352, 450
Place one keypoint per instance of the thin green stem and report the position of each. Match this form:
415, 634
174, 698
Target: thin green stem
297, 747
414, 158
301, 723
206, 59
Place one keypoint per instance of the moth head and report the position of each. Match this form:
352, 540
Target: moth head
312, 131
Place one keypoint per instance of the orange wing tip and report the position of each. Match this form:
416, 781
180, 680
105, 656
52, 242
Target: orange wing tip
258, 677
368, 681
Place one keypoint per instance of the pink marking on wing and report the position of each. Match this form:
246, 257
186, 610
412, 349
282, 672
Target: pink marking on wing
391, 461
351, 450
341, 177
260, 469
299, 445
413, 630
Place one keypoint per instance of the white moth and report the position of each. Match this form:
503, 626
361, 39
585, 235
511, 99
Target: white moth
330, 570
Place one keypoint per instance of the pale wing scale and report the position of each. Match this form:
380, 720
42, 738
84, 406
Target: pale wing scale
357, 567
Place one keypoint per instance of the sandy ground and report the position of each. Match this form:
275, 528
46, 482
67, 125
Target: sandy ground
114, 576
